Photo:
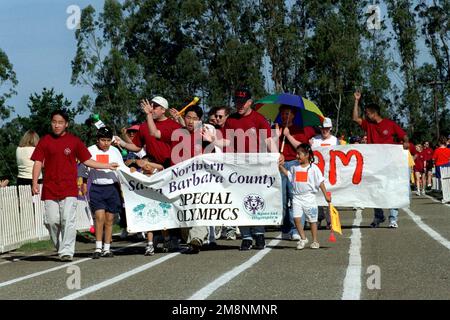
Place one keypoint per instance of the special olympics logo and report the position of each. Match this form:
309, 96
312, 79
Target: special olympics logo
253, 204
385, 132
67, 151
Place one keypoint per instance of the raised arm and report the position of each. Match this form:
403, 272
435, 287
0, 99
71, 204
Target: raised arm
148, 109
356, 112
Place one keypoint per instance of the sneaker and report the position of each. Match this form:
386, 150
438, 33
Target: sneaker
286, 236
97, 254
418, 193
302, 243
376, 223
315, 245
295, 237
66, 258
107, 254
149, 250
196, 244
231, 235
246, 245
260, 242
393, 225
429, 187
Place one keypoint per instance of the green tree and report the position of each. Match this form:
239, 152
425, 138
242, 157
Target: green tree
9, 81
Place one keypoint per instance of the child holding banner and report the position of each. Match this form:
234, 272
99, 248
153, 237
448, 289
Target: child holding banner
306, 179
104, 192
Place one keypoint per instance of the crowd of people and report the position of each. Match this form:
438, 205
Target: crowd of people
169, 136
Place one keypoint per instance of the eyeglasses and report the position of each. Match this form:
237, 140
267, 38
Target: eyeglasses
219, 116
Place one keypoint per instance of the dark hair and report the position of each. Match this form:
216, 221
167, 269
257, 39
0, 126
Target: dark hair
104, 132
373, 107
307, 148
61, 112
287, 107
195, 109
212, 111
443, 140
227, 110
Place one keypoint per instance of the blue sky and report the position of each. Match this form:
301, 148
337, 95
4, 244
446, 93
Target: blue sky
34, 35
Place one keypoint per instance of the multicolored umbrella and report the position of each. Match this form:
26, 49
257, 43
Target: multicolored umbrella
309, 115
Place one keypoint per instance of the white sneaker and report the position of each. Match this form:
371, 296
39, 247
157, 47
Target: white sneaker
302, 243
418, 193
393, 225
315, 245
296, 237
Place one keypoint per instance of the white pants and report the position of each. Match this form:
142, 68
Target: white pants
60, 219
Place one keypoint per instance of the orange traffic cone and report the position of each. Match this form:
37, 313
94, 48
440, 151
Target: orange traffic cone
332, 238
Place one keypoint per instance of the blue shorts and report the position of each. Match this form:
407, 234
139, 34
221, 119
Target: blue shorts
105, 197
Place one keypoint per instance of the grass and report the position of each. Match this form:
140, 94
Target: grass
37, 246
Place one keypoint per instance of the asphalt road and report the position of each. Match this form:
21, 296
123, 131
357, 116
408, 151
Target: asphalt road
412, 262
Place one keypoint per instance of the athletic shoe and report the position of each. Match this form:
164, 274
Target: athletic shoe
260, 242
231, 235
246, 245
376, 223
393, 225
149, 250
66, 258
107, 254
315, 245
418, 193
295, 237
302, 243
97, 254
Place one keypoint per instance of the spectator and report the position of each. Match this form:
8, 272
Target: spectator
60, 150
379, 131
441, 156
24, 151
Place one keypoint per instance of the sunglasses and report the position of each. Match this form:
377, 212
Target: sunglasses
219, 116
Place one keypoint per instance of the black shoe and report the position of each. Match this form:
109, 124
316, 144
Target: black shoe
96, 255
246, 245
260, 242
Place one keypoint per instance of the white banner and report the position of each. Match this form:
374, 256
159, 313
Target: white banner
244, 189
365, 175
209, 190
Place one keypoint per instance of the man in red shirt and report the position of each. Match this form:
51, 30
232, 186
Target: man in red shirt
441, 156
249, 132
154, 134
380, 131
59, 152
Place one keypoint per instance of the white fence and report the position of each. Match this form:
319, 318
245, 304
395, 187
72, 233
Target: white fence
22, 216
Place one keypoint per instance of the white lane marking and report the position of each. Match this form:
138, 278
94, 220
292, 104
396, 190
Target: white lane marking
37, 274
429, 197
118, 278
352, 280
206, 291
431, 232
22, 258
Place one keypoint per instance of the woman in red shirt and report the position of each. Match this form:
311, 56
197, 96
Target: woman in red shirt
419, 169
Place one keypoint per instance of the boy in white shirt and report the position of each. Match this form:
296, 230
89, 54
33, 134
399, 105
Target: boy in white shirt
104, 194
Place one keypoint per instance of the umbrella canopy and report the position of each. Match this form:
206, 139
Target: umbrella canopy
308, 114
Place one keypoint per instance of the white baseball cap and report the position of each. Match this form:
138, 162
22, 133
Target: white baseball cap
161, 101
326, 123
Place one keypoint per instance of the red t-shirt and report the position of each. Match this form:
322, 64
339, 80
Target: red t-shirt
59, 155
428, 152
383, 132
159, 150
441, 156
419, 161
252, 125
300, 134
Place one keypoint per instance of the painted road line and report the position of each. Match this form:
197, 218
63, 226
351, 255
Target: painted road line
37, 274
431, 232
205, 292
352, 280
118, 278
